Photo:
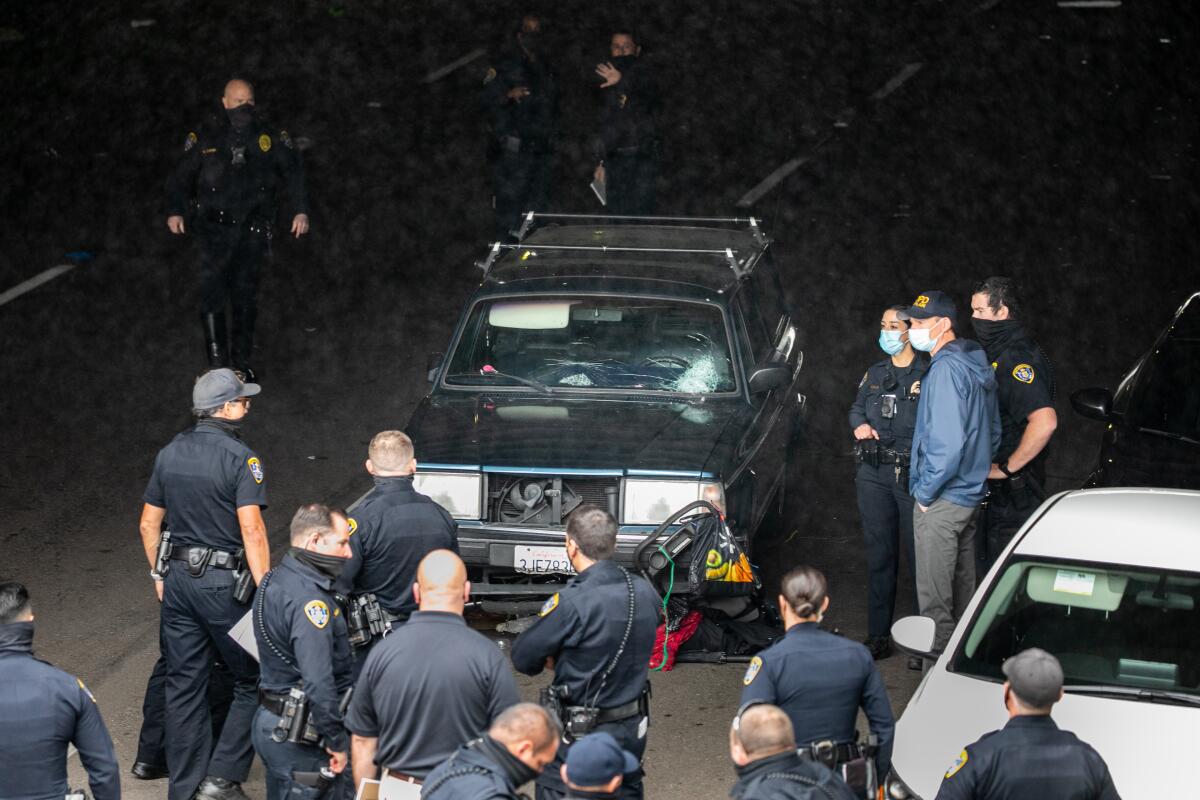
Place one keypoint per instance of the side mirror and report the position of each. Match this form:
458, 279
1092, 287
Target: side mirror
1093, 403
433, 365
915, 635
768, 376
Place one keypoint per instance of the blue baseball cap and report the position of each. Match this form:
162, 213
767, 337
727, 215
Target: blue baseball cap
596, 759
932, 303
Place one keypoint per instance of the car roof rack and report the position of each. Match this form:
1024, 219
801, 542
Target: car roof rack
739, 269
529, 217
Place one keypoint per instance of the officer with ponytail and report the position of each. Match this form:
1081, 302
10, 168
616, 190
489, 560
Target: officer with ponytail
820, 680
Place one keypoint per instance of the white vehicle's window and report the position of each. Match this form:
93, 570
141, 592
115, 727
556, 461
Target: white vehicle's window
1108, 625
595, 343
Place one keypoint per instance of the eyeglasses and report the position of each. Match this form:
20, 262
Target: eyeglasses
244, 401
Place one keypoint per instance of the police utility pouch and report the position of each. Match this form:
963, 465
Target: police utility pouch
243, 586
197, 561
162, 564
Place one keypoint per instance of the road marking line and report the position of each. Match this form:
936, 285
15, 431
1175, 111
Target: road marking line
1089, 3
442, 72
897, 80
751, 197
34, 282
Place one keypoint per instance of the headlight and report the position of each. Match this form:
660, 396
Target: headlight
457, 492
898, 789
649, 502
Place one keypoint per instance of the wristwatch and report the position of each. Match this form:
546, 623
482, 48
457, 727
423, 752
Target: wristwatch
156, 575
1004, 468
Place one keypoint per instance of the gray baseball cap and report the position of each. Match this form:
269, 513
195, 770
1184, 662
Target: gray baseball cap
218, 386
1035, 676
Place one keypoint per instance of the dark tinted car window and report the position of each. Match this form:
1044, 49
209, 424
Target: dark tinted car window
756, 325
1168, 395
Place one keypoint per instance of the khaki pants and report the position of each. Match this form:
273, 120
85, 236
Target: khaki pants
944, 538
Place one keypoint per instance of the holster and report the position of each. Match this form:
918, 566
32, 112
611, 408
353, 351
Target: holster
244, 586
162, 563
197, 561
366, 620
868, 452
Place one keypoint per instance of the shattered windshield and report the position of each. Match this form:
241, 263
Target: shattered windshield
595, 343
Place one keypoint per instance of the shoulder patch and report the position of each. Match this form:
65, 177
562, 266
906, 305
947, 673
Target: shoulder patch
286, 139
958, 764
264, 143
489, 76
1023, 373
995, 365
190, 141
752, 671
353, 523
317, 613
86, 690
255, 468
549, 605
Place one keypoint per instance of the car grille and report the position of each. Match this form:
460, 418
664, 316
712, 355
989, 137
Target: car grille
529, 499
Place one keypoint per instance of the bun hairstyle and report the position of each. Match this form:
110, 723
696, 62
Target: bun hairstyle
805, 588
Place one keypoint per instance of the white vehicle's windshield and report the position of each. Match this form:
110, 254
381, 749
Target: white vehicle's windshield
1108, 625
595, 343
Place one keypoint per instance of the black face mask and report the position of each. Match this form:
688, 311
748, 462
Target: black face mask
330, 566
241, 117
996, 334
531, 42
623, 63
517, 770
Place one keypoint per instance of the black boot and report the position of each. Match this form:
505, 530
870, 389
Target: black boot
243, 340
214, 339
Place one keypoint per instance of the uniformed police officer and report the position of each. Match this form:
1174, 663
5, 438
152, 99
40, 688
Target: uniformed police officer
42, 711
882, 419
224, 189
596, 767
303, 645
1026, 389
597, 635
520, 99
515, 749
762, 745
1030, 756
393, 529
626, 143
210, 489
820, 679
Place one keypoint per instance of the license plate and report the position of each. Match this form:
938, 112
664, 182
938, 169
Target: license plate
541, 560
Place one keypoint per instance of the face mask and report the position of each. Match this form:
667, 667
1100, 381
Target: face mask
330, 566
530, 41
890, 342
920, 339
622, 63
994, 334
241, 117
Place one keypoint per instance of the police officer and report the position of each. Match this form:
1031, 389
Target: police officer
762, 745
515, 749
42, 711
223, 189
303, 645
626, 143
596, 767
209, 487
393, 529
1026, 389
1030, 756
597, 635
520, 99
882, 419
820, 680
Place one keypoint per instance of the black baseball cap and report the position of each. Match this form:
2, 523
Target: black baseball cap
931, 303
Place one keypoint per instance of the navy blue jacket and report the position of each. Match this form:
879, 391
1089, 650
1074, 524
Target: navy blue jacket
820, 680
1028, 757
786, 776
391, 531
473, 772
903, 383
581, 627
42, 711
307, 644
958, 427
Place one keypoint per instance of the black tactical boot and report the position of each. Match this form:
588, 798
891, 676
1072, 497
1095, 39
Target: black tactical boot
214, 339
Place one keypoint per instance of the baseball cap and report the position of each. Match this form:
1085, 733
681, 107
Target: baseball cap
1035, 676
596, 759
931, 303
218, 386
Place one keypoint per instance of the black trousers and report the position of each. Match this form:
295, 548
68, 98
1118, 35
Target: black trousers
231, 258
886, 509
152, 746
1007, 507
521, 182
630, 182
550, 785
282, 759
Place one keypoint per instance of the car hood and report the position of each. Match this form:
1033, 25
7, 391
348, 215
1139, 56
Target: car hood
572, 433
950, 711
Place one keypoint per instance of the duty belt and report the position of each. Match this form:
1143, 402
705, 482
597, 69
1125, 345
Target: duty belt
218, 559
617, 713
272, 701
827, 752
900, 457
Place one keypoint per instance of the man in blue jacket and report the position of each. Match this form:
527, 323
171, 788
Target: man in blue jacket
954, 444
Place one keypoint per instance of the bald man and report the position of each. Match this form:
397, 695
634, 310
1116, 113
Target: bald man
223, 190
763, 748
515, 750
458, 678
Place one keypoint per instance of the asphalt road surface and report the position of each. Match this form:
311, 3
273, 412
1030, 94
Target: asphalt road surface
923, 146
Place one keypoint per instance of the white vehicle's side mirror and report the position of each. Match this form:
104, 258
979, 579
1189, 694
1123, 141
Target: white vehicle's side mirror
915, 635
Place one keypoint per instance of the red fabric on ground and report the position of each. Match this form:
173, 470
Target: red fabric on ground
677, 637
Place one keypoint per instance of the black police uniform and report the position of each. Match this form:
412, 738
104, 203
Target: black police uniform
225, 186
887, 401
787, 776
435, 660
201, 478
820, 680
391, 531
481, 769
581, 627
1028, 757
42, 711
302, 641
1024, 384
521, 135
627, 141
152, 738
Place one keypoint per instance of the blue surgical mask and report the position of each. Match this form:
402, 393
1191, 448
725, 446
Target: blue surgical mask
920, 339
890, 343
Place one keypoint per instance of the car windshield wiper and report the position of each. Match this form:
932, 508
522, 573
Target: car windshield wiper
1178, 436
1134, 693
488, 371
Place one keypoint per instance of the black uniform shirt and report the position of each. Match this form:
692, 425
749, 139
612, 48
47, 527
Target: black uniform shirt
885, 378
474, 772
42, 711
627, 116
820, 680
1028, 757
1024, 383
202, 478
786, 776
534, 118
582, 626
426, 688
209, 171
391, 531
308, 643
